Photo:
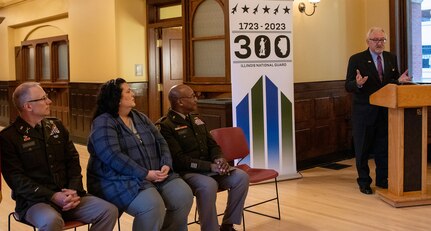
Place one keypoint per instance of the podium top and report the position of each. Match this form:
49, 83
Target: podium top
402, 96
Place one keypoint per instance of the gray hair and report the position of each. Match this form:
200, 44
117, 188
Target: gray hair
20, 95
372, 29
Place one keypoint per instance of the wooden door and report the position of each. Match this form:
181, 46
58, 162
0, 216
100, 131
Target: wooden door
172, 62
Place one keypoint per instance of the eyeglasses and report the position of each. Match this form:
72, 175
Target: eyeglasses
44, 98
377, 40
189, 97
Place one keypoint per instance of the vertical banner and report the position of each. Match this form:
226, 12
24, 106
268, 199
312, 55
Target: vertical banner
262, 81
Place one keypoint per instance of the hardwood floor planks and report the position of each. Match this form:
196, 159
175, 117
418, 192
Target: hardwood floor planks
323, 200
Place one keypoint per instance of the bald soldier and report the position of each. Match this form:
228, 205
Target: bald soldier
199, 160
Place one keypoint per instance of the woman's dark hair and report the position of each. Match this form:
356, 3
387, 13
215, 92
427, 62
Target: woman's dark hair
109, 96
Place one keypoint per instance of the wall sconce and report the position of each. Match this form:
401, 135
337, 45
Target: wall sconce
1, 19
301, 7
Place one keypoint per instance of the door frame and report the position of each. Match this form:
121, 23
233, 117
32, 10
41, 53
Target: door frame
154, 29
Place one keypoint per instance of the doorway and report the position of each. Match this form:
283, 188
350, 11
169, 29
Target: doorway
172, 63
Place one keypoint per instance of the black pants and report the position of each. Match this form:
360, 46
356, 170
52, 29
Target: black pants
371, 140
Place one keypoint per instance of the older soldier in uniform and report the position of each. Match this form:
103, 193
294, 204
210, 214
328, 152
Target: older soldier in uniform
198, 158
41, 166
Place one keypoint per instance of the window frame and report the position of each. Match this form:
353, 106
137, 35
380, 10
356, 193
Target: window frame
38, 45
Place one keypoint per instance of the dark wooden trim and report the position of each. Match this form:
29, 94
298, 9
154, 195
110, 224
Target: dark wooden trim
153, 52
162, 2
166, 23
399, 32
7, 107
210, 87
153, 59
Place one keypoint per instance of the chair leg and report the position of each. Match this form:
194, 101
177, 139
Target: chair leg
196, 215
278, 200
243, 221
263, 202
8, 222
196, 219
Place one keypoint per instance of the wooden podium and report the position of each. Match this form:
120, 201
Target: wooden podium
408, 140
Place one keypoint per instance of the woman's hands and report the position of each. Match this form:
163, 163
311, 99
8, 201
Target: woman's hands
158, 175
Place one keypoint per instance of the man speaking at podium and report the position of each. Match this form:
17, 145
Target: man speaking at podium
367, 72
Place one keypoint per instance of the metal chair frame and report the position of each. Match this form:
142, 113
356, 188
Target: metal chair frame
67, 224
234, 145
196, 218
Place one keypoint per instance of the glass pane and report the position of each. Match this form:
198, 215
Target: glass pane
208, 19
31, 64
421, 47
170, 12
46, 64
63, 64
209, 58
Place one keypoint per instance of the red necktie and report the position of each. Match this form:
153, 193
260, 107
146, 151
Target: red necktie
380, 67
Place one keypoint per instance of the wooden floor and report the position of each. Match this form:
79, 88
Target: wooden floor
324, 200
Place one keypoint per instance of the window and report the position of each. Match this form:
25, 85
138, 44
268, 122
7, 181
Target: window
426, 40
45, 60
207, 43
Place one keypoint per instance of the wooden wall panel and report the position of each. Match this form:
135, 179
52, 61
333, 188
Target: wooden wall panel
303, 139
322, 123
82, 103
216, 113
4, 104
83, 98
323, 109
60, 103
303, 110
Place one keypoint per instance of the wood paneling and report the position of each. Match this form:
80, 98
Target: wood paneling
83, 103
322, 122
4, 104
216, 113
60, 103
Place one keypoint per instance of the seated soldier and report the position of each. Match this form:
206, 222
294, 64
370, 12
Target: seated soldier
41, 166
198, 159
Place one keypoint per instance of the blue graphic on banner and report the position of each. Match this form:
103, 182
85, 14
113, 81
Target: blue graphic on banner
272, 124
272, 138
242, 111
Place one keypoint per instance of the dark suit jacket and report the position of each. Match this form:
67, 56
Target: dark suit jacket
363, 61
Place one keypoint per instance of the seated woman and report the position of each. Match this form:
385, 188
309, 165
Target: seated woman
130, 164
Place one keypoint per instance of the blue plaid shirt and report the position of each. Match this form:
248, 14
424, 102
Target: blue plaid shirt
119, 160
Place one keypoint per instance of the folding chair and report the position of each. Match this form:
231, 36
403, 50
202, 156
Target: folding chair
67, 224
234, 145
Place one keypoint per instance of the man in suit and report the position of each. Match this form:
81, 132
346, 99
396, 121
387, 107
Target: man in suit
198, 158
367, 72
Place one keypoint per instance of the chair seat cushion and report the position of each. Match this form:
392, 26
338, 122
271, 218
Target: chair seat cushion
258, 175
